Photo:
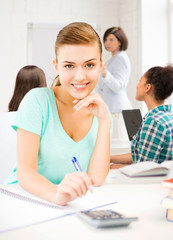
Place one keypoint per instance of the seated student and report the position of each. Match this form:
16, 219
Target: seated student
65, 121
154, 139
27, 78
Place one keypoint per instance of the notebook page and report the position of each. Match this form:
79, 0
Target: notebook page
16, 212
144, 168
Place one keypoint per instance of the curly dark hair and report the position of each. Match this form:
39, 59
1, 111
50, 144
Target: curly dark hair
162, 80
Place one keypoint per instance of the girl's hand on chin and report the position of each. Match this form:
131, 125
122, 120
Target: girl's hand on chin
95, 104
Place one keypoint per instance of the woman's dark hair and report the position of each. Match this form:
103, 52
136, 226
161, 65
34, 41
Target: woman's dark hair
27, 78
162, 80
119, 34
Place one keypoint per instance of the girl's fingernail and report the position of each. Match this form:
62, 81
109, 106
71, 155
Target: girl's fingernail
76, 108
75, 101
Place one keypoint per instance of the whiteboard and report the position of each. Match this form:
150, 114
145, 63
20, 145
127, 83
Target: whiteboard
41, 39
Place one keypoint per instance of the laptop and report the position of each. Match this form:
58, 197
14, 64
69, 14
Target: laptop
132, 119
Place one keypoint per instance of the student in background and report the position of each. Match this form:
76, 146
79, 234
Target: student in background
65, 121
27, 78
114, 78
154, 139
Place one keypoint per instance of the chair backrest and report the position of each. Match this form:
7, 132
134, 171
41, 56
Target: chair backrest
8, 145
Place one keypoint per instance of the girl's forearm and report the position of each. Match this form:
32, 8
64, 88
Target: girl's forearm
100, 161
122, 158
36, 184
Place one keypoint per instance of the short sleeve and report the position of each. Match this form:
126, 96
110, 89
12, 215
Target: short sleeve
29, 115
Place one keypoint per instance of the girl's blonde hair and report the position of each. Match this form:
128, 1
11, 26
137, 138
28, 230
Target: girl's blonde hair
76, 33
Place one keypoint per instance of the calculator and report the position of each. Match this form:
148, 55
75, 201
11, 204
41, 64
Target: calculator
105, 218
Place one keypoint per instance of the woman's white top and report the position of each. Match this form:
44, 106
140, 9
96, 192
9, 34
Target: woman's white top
112, 88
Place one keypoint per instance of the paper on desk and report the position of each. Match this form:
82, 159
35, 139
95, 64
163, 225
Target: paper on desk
16, 213
115, 176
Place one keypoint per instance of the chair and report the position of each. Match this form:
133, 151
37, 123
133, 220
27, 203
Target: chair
8, 145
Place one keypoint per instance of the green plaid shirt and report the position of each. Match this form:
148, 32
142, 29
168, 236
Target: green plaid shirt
154, 139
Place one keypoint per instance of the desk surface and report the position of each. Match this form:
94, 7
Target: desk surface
141, 200
119, 146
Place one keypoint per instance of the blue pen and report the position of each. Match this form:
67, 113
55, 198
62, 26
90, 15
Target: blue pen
76, 165
79, 169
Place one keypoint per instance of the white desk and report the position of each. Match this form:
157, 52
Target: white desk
141, 200
119, 146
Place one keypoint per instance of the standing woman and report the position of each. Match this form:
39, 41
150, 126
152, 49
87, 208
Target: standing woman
154, 139
114, 78
65, 121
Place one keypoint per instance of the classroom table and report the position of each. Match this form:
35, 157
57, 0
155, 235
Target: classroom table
137, 199
119, 146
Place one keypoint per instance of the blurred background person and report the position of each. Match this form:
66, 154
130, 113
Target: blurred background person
27, 78
114, 78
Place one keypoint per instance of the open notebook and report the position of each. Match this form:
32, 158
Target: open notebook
19, 208
147, 168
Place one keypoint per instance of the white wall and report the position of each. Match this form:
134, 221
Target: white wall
155, 30
155, 35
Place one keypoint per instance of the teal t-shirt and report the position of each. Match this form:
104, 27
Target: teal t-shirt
38, 113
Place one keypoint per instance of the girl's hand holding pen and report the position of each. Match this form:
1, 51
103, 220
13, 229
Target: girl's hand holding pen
95, 104
72, 186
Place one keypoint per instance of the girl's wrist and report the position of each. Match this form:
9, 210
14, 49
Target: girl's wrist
56, 196
105, 121
53, 195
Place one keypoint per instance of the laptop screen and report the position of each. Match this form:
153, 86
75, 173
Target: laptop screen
132, 119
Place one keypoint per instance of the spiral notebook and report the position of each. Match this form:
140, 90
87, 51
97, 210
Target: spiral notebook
19, 208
